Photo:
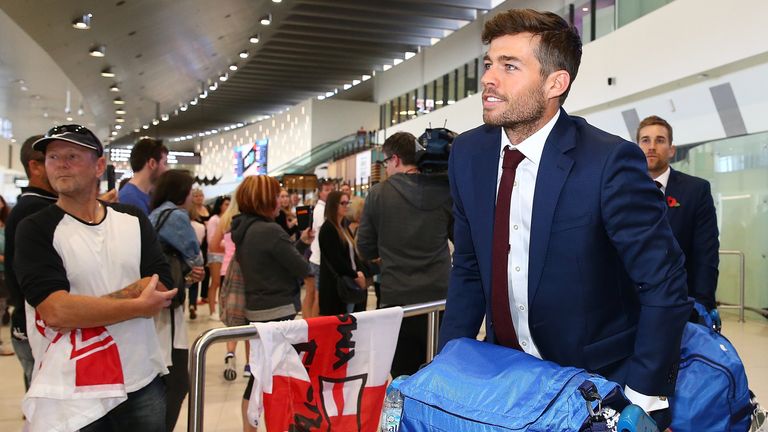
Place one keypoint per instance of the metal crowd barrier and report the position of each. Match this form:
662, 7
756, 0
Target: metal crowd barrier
197, 354
742, 275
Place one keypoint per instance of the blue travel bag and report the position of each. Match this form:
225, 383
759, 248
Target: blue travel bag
712, 393
477, 386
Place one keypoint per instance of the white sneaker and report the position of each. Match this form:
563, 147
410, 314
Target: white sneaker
230, 367
214, 317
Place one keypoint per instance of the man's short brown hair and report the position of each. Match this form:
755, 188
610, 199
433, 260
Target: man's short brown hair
403, 145
144, 150
28, 154
559, 46
654, 121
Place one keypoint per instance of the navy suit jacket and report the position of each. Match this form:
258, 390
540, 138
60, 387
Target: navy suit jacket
606, 278
694, 222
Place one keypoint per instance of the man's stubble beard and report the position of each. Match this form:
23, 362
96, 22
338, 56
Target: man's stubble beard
522, 115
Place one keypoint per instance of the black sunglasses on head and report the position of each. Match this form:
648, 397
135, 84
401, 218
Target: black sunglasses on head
70, 128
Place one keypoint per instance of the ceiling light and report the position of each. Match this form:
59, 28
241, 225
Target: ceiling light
409, 54
193, 102
585, 9
266, 19
184, 107
320, 97
69, 119
233, 67
224, 77
155, 122
355, 82
118, 127
204, 94
23, 88
120, 111
114, 88
254, 39
136, 130
277, 1
107, 73
82, 22
397, 61
114, 133
243, 54
118, 101
146, 126
120, 120
98, 51
365, 77
213, 86
347, 86
165, 117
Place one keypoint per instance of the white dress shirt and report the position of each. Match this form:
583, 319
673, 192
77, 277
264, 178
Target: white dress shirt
520, 211
663, 179
520, 215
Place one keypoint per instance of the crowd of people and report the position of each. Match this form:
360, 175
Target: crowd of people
534, 202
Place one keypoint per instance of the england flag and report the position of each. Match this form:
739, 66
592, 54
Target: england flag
325, 373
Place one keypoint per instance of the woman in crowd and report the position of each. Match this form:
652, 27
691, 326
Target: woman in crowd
271, 263
235, 312
339, 257
171, 200
215, 255
286, 218
198, 202
198, 225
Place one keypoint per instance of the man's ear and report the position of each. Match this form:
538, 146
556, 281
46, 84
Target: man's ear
101, 166
672, 150
557, 83
151, 163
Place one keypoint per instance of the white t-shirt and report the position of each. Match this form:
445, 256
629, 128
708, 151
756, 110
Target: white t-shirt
62, 252
318, 218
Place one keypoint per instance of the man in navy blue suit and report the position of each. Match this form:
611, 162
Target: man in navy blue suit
690, 210
561, 239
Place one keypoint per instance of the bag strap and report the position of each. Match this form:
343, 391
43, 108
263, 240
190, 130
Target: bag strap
162, 218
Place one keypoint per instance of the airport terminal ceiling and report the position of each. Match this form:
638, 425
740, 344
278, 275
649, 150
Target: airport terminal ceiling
165, 54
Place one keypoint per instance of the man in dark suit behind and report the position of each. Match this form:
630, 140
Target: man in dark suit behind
586, 271
690, 210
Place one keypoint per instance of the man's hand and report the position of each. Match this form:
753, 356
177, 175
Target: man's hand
195, 275
109, 196
151, 301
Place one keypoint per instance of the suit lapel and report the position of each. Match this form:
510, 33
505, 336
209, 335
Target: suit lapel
484, 172
554, 168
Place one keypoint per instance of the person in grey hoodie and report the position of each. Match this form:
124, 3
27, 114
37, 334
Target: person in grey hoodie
407, 222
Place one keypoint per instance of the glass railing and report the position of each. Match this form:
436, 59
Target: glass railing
737, 169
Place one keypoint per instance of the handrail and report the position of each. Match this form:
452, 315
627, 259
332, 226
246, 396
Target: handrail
742, 275
197, 354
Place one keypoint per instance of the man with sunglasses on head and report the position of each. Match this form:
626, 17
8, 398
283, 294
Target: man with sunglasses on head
90, 271
407, 222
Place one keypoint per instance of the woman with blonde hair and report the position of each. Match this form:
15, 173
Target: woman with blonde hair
271, 263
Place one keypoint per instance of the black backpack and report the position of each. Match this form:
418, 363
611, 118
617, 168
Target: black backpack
179, 267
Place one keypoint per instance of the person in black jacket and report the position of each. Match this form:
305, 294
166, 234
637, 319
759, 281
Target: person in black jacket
339, 257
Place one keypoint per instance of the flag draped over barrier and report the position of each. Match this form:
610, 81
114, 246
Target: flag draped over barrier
325, 373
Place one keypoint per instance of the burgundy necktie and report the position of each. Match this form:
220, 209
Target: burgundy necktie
502, 317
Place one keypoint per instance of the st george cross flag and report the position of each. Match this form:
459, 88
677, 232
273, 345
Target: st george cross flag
79, 380
325, 373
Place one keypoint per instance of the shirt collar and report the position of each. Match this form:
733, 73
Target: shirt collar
664, 178
533, 146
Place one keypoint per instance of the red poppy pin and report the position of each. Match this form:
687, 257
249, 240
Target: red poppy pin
672, 202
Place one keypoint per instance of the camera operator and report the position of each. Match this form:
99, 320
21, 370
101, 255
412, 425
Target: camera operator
407, 223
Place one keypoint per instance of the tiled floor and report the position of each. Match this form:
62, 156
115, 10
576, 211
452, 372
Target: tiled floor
222, 398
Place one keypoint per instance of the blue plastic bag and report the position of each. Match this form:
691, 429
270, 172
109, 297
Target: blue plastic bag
477, 386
